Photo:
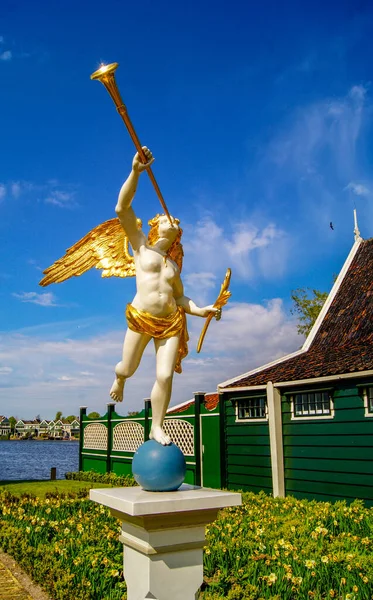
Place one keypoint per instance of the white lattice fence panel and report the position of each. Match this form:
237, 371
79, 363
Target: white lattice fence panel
95, 437
181, 433
128, 436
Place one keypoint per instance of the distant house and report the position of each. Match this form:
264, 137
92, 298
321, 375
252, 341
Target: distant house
44, 427
71, 429
23, 427
5, 428
303, 425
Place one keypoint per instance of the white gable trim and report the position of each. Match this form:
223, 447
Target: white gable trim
304, 382
172, 408
313, 331
332, 295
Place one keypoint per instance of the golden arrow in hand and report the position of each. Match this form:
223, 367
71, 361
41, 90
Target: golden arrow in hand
221, 301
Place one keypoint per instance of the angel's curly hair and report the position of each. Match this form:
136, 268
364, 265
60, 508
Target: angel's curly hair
175, 251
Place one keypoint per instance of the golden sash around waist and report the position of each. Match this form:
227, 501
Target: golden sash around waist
161, 328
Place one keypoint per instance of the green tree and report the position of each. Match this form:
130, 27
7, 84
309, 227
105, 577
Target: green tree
307, 304
12, 421
94, 415
58, 415
70, 418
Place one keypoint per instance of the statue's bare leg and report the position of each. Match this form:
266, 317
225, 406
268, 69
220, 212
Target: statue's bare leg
133, 347
166, 355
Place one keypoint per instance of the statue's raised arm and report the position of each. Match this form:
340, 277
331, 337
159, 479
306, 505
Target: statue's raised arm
124, 209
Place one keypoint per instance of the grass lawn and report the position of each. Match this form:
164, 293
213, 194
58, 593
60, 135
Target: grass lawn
40, 488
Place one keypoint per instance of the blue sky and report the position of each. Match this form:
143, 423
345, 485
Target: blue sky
259, 116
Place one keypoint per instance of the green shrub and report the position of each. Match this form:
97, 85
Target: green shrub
112, 478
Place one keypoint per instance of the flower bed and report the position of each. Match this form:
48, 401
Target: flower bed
269, 549
287, 549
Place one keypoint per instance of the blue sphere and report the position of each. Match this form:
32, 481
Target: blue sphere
158, 468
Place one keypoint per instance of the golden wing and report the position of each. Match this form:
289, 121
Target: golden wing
105, 247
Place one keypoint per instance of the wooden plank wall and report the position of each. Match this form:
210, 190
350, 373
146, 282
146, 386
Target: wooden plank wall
248, 456
330, 459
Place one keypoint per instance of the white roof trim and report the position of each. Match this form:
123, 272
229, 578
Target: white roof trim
314, 329
262, 368
172, 408
298, 382
332, 295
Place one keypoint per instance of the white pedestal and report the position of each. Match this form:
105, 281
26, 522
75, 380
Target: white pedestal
163, 534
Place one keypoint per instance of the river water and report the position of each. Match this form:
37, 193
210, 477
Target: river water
22, 459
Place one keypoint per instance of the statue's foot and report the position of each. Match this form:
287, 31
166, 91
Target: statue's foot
157, 434
116, 392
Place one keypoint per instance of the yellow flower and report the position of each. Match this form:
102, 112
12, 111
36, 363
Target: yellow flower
310, 564
332, 593
343, 581
355, 588
272, 578
325, 559
365, 579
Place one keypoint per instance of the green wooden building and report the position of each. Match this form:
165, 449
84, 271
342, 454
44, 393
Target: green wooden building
303, 425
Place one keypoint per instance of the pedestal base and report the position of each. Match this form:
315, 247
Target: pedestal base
163, 534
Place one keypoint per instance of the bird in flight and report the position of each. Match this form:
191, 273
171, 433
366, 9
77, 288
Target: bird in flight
331, 225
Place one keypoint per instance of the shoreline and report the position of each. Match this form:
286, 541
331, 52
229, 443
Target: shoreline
39, 440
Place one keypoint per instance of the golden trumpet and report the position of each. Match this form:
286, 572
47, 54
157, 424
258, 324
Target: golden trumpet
106, 74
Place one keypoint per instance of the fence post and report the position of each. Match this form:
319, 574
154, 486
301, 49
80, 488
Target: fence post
147, 424
83, 412
110, 410
199, 398
223, 465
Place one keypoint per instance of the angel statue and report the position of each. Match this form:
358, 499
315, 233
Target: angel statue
158, 309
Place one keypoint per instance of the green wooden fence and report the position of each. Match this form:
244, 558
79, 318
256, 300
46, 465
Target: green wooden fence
108, 444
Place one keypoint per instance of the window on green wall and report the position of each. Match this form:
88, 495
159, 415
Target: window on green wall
248, 409
312, 404
368, 401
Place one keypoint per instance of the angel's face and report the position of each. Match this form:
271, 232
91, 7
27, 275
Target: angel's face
168, 230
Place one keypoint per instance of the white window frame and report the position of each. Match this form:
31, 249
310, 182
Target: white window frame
367, 413
251, 419
316, 416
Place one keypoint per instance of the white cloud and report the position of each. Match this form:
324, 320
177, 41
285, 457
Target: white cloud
1, 39
46, 299
358, 189
16, 189
6, 55
46, 192
308, 164
62, 372
248, 249
61, 199
5, 370
331, 126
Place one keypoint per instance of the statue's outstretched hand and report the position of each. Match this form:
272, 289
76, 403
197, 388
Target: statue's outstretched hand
138, 165
208, 310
